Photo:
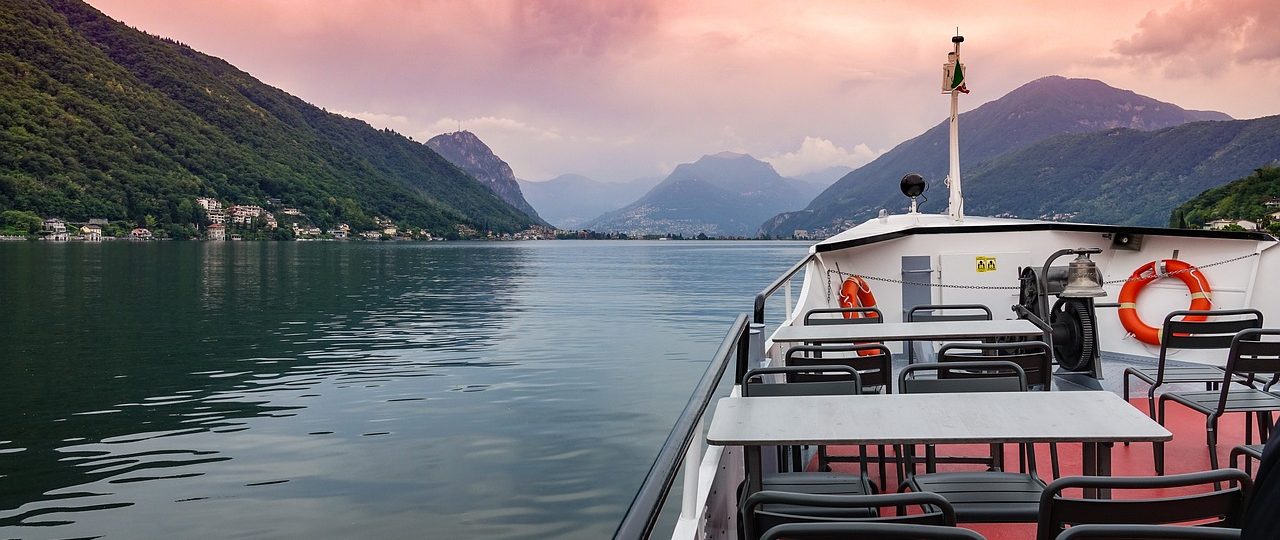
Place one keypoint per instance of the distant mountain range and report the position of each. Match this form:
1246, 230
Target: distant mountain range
1121, 176
469, 153
1037, 110
725, 194
570, 200
98, 120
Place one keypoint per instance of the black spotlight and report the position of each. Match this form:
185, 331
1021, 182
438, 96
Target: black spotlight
912, 185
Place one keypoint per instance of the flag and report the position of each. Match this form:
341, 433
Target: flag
957, 79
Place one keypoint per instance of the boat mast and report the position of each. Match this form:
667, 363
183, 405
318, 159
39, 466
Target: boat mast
953, 83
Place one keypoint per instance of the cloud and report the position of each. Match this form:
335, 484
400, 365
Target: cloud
490, 125
816, 153
378, 120
1205, 37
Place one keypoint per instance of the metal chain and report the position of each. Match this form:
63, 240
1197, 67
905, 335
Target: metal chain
1015, 287
1183, 271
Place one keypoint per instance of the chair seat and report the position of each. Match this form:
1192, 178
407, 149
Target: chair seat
819, 483
1178, 374
1252, 450
1238, 400
990, 497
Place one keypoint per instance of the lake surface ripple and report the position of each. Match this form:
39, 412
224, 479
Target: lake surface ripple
339, 390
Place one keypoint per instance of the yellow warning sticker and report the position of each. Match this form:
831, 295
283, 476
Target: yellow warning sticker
986, 264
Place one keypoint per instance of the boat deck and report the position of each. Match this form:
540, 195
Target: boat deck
1187, 452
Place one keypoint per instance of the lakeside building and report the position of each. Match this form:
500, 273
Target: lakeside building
140, 233
244, 214
213, 209
1220, 224
91, 232
54, 229
216, 232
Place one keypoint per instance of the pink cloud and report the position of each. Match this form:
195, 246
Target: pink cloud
1206, 36
615, 88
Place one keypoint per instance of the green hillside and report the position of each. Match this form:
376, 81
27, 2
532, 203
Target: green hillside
1245, 198
1120, 176
101, 120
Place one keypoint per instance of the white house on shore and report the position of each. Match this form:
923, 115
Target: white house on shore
216, 232
54, 229
1219, 224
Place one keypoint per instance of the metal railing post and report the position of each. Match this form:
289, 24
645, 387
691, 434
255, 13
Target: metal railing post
692, 464
744, 355
786, 291
757, 345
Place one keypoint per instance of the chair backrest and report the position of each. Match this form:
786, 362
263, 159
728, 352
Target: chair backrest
1193, 329
838, 380
876, 368
1034, 357
862, 315
764, 510
949, 312
1255, 351
954, 377
1208, 500
869, 531
1154, 532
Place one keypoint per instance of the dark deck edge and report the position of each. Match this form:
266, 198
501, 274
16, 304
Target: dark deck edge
1047, 226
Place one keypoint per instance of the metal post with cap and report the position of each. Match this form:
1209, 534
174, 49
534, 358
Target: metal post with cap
954, 83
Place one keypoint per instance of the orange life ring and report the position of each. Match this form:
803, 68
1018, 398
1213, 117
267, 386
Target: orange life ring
1201, 295
855, 293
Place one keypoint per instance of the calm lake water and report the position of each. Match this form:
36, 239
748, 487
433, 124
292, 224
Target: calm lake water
350, 390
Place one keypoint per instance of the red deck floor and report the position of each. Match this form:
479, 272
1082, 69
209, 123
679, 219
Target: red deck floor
1187, 452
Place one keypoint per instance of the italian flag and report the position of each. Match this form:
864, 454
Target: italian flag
957, 79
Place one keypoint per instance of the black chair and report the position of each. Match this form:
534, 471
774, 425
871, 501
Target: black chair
1153, 532
1214, 331
1250, 453
988, 496
765, 510
944, 312
1034, 357
870, 531
809, 381
1251, 355
1222, 507
875, 370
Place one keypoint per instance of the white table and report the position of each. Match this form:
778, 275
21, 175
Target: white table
904, 331
1095, 418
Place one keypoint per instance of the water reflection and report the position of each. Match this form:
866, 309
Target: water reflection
320, 389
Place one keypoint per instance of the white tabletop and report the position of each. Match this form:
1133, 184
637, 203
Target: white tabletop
924, 331
1087, 416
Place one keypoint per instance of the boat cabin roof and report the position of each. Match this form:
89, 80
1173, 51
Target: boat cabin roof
897, 226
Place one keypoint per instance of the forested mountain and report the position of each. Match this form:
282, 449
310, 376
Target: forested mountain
569, 200
725, 194
465, 150
1120, 176
1039, 109
100, 120
1255, 197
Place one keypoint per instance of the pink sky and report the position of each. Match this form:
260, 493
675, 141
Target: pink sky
623, 89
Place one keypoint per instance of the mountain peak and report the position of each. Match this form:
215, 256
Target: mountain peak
728, 155
467, 152
1037, 110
